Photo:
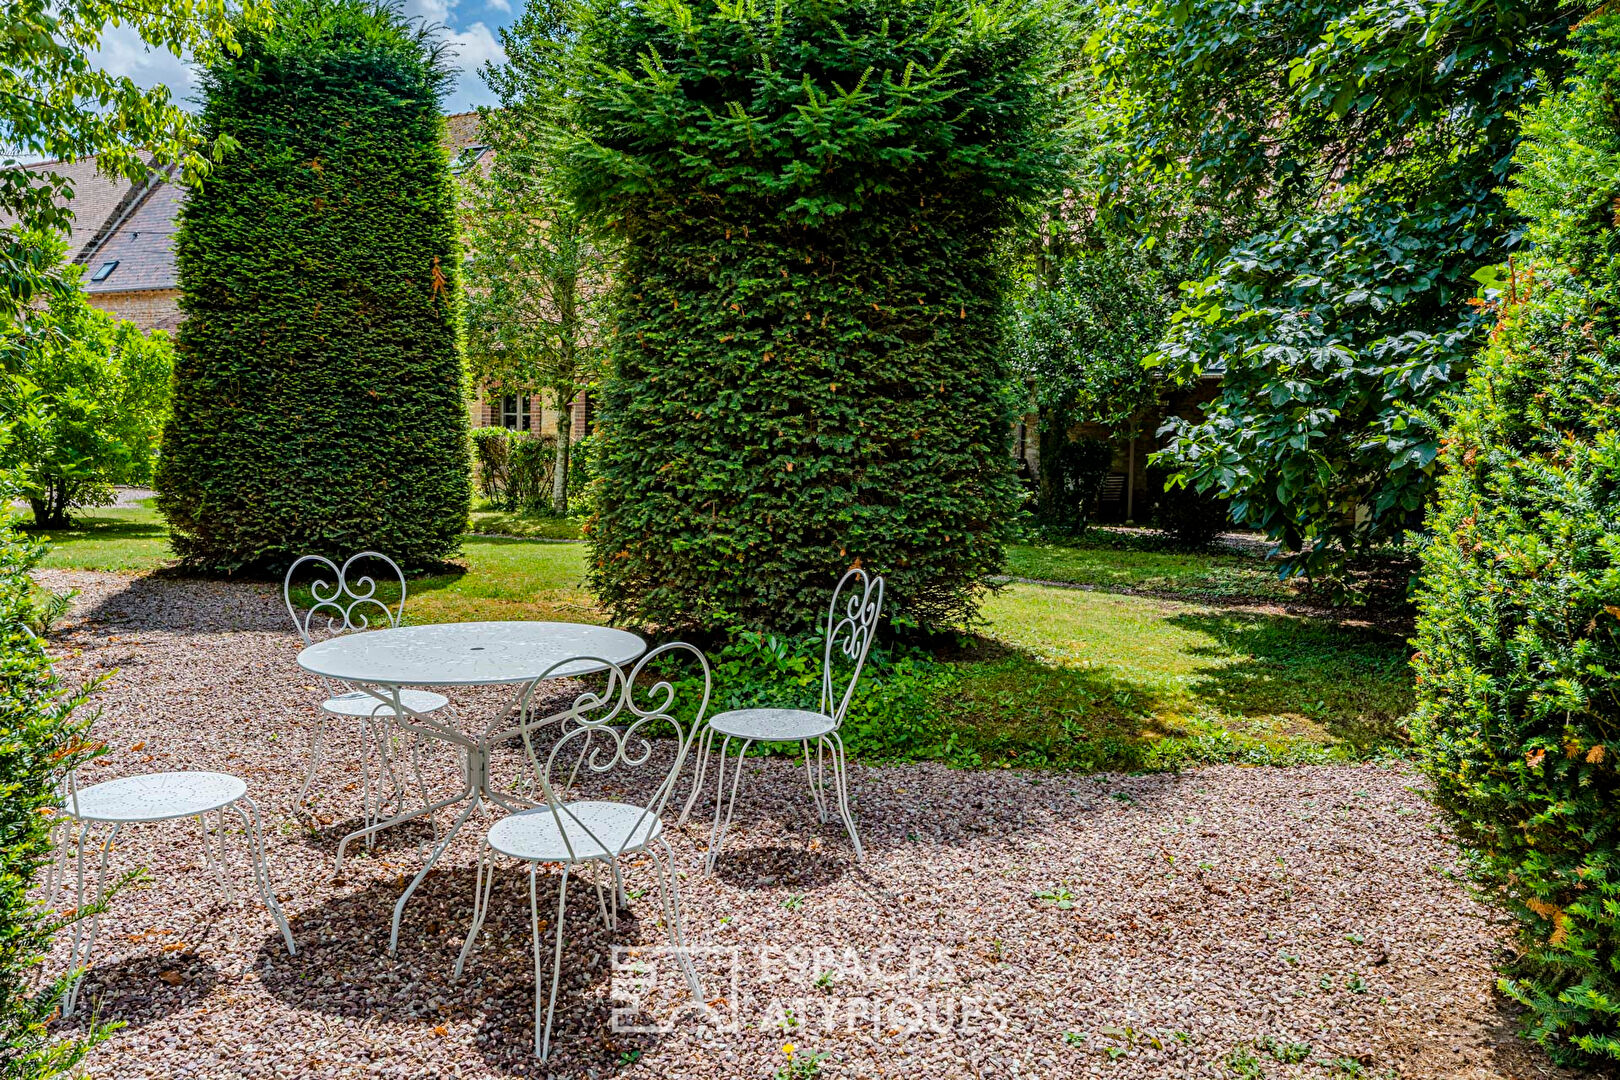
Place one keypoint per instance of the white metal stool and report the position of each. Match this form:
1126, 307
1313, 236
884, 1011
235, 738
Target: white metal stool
149, 798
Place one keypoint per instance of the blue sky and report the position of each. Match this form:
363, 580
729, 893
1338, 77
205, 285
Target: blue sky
471, 34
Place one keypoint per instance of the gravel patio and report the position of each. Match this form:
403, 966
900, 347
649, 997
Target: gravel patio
1004, 924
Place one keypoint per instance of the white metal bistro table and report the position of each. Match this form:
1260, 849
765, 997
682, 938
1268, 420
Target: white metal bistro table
519, 654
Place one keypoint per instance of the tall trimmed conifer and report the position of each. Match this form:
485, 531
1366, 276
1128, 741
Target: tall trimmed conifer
807, 370
318, 386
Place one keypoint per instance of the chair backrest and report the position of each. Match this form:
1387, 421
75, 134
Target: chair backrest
850, 629
611, 729
345, 603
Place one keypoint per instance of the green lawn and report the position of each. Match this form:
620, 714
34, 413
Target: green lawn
1111, 561
1061, 678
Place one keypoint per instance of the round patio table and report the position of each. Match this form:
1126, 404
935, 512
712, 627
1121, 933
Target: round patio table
519, 654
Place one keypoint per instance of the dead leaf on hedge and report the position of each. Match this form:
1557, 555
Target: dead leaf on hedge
1555, 915
1595, 755
1534, 758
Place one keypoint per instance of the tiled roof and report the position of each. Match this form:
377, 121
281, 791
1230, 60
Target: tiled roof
135, 224
94, 198
141, 242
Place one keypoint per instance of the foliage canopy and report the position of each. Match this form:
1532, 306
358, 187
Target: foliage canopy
82, 400
1352, 151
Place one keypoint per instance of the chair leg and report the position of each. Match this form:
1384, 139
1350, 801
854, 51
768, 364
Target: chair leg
841, 782
718, 835
815, 789
249, 813
300, 803
542, 1039
670, 896
482, 885
704, 744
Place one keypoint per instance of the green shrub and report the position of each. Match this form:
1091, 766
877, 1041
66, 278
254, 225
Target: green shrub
39, 738
1518, 661
491, 455
1074, 470
807, 369
318, 388
1192, 517
514, 468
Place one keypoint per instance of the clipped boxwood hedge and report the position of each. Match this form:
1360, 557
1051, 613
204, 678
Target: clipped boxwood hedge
1518, 668
808, 368
318, 398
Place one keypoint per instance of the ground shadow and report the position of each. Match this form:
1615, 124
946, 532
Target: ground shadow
1353, 682
137, 990
343, 968
185, 605
780, 867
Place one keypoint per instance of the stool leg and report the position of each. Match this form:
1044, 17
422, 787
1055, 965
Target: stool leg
249, 814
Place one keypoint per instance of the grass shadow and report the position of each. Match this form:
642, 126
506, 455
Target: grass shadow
1352, 683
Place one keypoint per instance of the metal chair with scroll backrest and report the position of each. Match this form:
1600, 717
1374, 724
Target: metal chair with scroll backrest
849, 632
602, 736
348, 604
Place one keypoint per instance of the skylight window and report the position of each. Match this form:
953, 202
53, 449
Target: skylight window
104, 271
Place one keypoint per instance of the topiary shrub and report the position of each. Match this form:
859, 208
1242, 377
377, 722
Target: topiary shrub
318, 397
1518, 662
807, 370
40, 738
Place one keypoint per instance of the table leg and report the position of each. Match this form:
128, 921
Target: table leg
399, 907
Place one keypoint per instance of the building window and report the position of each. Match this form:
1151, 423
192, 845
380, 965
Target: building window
104, 271
515, 411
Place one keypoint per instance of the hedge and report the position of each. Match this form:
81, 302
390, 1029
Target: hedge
39, 738
318, 385
1518, 663
808, 369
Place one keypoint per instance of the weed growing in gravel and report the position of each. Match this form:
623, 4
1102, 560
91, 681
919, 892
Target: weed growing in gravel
1060, 896
799, 1066
1288, 1053
1346, 1066
1355, 984
1241, 1063
824, 981
1074, 1038
794, 902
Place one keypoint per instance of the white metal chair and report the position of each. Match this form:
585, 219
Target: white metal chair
348, 605
600, 732
145, 799
850, 633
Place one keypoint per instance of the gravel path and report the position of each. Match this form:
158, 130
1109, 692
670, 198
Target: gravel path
1004, 924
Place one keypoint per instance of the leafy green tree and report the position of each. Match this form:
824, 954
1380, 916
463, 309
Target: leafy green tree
807, 367
82, 402
537, 278
1518, 662
58, 103
1353, 151
319, 390
1077, 341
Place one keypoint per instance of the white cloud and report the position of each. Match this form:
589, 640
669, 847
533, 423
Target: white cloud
502, 6
124, 53
472, 46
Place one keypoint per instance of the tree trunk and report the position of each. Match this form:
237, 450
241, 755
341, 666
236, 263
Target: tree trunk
565, 432
1052, 435
568, 319
51, 510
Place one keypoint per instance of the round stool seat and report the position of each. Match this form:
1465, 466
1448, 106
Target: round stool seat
360, 703
156, 797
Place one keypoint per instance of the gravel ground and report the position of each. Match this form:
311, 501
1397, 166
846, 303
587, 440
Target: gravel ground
1004, 924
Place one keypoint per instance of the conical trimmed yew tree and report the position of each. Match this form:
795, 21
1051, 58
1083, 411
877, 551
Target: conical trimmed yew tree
318, 400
